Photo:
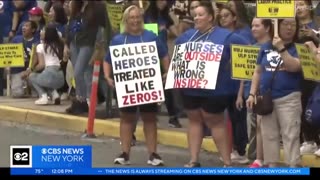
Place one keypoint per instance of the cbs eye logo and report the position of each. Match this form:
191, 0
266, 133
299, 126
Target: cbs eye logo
21, 156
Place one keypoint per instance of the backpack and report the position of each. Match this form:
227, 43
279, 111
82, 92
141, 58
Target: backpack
312, 113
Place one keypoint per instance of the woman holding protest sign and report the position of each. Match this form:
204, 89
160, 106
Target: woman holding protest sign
207, 105
278, 72
134, 32
308, 27
228, 19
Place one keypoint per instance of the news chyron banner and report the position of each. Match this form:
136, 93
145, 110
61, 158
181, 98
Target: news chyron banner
194, 65
243, 60
275, 9
77, 160
26, 157
11, 55
137, 74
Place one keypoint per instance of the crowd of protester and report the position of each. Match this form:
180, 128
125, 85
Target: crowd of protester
64, 38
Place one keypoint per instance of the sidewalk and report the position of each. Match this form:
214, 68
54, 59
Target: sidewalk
24, 111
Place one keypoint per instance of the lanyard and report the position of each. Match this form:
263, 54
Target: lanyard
126, 38
208, 33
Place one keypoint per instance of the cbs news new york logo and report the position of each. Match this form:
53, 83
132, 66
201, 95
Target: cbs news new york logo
20, 156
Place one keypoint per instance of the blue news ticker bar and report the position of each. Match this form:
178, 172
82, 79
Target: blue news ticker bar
160, 171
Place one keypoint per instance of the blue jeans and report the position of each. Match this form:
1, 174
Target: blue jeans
80, 58
51, 78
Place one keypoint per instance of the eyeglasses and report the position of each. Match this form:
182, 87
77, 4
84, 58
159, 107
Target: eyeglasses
286, 24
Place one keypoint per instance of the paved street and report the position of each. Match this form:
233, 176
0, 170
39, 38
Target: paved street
104, 149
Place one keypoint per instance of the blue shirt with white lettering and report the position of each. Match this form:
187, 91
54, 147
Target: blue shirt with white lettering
147, 36
284, 82
27, 51
225, 85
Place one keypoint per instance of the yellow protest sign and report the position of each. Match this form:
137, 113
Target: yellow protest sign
114, 11
33, 51
11, 55
310, 67
151, 27
275, 9
243, 60
222, 1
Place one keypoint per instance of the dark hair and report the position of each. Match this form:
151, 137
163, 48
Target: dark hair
296, 35
267, 23
33, 25
94, 14
241, 12
309, 3
154, 13
208, 7
189, 5
52, 40
60, 14
75, 8
238, 24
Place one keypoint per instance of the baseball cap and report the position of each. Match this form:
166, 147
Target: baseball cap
36, 11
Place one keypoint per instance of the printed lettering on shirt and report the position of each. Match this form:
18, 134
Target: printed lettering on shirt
273, 58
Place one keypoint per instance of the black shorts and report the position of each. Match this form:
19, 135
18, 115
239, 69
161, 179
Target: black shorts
145, 108
214, 105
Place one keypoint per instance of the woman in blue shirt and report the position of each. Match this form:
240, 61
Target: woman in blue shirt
58, 16
306, 18
262, 31
242, 17
309, 134
135, 33
208, 106
228, 19
280, 55
158, 12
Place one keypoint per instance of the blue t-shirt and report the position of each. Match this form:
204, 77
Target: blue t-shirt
6, 14
62, 29
312, 25
284, 82
246, 33
147, 36
225, 85
27, 51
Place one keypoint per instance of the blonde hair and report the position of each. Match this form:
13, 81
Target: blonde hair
125, 16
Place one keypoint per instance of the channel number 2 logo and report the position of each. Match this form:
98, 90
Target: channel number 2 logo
21, 156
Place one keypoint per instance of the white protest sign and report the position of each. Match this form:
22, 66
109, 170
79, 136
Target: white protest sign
137, 75
194, 65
